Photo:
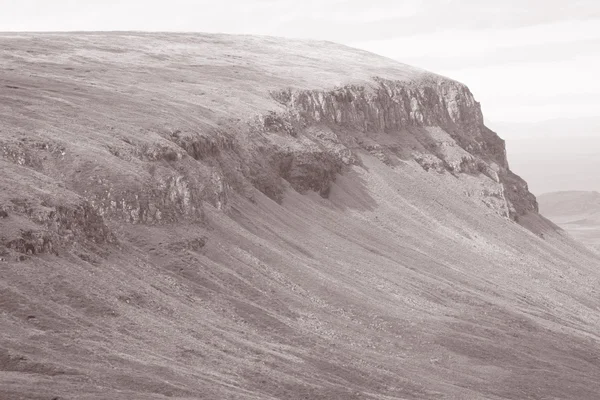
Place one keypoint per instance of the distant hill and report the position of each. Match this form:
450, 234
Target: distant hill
577, 212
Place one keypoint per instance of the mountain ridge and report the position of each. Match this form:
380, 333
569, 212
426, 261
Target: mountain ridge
257, 218
408, 107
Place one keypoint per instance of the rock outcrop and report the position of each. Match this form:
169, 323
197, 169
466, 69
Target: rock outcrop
298, 137
35, 225
434, 121
187, 215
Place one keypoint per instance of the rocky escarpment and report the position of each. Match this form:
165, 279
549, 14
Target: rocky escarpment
57, 226
139, 157
142, 246
307, 139
434, 121
37, 220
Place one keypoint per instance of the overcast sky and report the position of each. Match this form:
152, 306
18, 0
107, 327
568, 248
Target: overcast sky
526, 61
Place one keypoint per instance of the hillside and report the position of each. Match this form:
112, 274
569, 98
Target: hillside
233, 217
577, 212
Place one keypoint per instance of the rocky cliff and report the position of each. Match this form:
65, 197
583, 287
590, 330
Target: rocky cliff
303, 136
433, 120
213, 216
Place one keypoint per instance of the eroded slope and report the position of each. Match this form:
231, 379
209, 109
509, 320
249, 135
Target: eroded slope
204, 216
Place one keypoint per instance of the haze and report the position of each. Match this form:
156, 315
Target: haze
531, 64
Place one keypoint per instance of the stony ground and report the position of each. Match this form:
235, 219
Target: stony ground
170, 227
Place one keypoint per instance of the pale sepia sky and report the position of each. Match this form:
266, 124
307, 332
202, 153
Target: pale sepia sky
526, 61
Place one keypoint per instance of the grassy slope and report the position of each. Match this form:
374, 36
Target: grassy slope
396, 287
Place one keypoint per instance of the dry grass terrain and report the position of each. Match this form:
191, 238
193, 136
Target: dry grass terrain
169, 228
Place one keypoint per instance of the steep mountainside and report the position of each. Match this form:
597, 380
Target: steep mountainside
211, 216
577, 212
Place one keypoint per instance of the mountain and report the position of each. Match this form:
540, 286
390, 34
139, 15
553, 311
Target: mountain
554, 155
577, 212
211, 216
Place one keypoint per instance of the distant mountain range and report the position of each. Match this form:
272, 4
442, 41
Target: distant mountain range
577, 212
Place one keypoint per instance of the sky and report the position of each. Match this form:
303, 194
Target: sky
526, 61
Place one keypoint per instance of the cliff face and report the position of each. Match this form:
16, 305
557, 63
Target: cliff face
434, 121
164, 169
221, 217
